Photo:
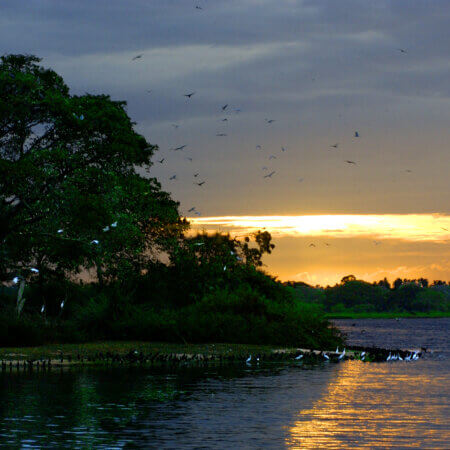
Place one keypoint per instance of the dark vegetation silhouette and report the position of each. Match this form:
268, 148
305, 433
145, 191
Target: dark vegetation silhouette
74, 205
357, 296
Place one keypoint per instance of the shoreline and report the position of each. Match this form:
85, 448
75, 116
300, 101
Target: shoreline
151, 353
387, 315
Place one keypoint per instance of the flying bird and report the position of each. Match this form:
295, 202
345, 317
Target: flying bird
221, 134
137, 57
258, 147
272, 157
161, 160
198, 7
224, 107
149, 91
402, 50
225, 120
201, 183
189, 95
269, 175
335, 145
312, 245
408, 170
283, 149
192, 209
196, 175
265, 168
350, 162
173, 177
189, 159
445, 229
180, 147
270, 120
175, 125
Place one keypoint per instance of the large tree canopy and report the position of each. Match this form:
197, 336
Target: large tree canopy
71, 193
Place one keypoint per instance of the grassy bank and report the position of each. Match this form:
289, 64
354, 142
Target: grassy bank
92, 350
387, 315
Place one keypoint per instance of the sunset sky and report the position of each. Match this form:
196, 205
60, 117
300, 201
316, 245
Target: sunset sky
321, 70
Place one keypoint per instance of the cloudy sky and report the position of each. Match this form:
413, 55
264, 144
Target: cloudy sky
321, 70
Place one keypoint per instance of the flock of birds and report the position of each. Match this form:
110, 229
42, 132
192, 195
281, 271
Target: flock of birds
225, 108
412, 356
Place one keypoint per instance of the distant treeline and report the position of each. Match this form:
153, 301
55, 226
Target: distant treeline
404, 295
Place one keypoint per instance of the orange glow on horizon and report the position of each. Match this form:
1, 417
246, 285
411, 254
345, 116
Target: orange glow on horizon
409, 227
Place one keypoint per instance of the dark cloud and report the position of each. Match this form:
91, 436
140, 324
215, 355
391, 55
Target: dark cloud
321, 69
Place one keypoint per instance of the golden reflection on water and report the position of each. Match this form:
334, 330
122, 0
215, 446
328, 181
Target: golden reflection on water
374, 405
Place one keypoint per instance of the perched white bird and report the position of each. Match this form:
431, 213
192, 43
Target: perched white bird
15, 280
299, 357
248, 360
94, 241
42, 309
389, 357
106, 228
62, 304
114, 224
224, 268
342, 355
337, 350
34, 270
326, 356
60, 231
363, 354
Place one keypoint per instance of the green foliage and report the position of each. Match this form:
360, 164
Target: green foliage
70, 163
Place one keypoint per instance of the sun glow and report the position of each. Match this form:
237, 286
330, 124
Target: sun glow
409, 227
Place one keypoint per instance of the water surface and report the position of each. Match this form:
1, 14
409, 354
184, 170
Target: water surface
347, 405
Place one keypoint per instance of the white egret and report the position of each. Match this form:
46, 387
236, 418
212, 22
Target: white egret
95, 241
342, 355
326, 356
106, 228
15, 280
248, 360
34, 270
42, 309
114, 224
299, 357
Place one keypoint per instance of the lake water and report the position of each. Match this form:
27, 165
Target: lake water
332, 405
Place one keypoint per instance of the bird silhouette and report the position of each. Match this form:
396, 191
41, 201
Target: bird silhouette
350, 162
180, 147
269, 175
270, 120
221, 134
175, 125
191, 209
173, 177
356, 134
335, 145
445, 229
201, 183
196, 175
198, 7
272, 157
283, 149
161, 160
224, 107
149, 91
258, 147
189, 95
225, 120
137, 57
402, 50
